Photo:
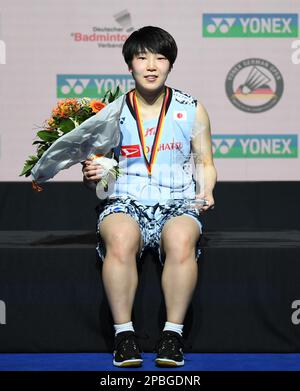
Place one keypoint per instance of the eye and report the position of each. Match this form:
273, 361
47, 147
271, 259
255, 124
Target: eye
141, 56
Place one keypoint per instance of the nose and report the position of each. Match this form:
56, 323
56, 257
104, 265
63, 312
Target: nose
151, 63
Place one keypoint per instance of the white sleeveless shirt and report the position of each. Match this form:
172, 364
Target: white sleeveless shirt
172, 172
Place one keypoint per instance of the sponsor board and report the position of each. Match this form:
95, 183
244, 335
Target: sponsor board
242, 25
91, 86
255, 146
109, 36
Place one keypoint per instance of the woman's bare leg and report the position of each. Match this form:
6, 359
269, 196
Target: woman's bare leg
121, 234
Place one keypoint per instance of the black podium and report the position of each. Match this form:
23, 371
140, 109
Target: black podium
50, 276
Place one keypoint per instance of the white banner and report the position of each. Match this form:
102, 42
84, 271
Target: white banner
241, 62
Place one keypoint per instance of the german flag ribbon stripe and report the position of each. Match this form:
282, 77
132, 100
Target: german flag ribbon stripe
158, 132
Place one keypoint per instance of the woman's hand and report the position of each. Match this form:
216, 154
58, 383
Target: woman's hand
210, 202
92, 172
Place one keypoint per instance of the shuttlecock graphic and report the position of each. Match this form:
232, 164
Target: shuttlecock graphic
256, 79
124, 20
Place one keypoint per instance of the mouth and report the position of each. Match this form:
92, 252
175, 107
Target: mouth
151, 77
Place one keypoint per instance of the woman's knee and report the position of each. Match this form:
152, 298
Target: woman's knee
121, 235
183, 248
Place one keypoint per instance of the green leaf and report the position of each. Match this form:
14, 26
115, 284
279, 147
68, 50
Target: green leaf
116, 94
48, 136
39, 142
113, 173
105, 96
40, 152
66, 125
83, 114
110, 96
28, 166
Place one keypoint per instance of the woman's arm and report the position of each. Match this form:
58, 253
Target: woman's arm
206, 174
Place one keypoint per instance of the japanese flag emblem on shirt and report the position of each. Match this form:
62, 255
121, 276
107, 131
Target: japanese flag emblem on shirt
180, 115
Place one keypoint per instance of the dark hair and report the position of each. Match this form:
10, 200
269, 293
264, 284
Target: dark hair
154, 39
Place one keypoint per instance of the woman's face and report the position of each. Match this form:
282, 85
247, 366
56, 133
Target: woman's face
150, 70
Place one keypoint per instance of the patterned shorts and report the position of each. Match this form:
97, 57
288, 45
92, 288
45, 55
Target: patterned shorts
151, 220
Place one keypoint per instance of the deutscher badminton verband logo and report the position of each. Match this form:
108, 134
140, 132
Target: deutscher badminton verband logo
254, 85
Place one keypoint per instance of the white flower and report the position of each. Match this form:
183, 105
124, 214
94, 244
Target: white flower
84, 101
109, 174
106, 163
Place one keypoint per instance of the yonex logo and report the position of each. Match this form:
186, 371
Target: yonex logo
76, 86
255, 146
220, 24
223, 145
250, 25
92, 86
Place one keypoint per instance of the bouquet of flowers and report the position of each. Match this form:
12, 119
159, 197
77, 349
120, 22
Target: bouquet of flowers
67, 115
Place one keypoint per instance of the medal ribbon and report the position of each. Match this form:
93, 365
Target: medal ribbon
158, 132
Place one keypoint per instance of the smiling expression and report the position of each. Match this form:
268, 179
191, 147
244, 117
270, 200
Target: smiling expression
150, 70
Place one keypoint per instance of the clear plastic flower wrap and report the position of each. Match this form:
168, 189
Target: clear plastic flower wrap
97, 135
